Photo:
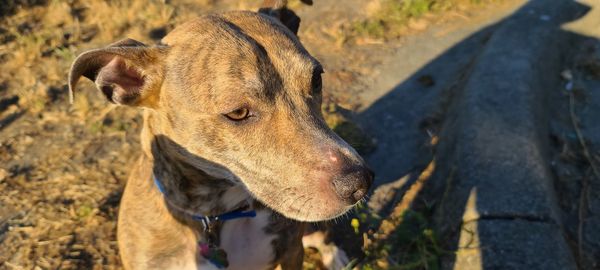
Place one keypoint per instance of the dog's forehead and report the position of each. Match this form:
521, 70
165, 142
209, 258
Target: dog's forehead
245, 50
242, 34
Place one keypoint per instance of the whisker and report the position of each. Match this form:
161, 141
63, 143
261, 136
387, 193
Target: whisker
303, 205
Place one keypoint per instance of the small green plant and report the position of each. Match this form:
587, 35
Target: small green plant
412, 245
65, 54
391, 15
95, 127
372, 28
84, 211
416, 8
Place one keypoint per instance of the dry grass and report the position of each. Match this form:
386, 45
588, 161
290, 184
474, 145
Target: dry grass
63, 166
391, 18
43, 40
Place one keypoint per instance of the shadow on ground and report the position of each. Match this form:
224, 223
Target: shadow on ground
492, 196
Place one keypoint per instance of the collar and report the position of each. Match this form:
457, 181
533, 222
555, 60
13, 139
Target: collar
206, 220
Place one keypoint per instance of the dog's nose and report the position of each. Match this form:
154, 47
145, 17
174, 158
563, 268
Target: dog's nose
353, 184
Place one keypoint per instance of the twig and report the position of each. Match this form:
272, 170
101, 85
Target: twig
395, 217
584, 180
586, 151
13, 266
58, 239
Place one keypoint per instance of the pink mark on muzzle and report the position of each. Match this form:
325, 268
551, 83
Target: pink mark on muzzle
333, 156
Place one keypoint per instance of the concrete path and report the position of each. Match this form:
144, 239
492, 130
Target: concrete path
397, 102
496, 203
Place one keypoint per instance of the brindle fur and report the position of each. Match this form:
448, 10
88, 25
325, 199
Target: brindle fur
283, 161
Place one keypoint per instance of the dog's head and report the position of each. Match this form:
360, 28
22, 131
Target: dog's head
239, 90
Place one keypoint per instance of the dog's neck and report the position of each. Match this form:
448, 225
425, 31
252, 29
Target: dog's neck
189, 190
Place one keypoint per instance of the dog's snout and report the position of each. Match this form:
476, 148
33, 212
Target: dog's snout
353, 184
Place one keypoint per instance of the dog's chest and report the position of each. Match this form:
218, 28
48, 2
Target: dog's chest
247, 243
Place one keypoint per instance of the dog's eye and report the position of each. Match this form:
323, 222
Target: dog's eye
238, 114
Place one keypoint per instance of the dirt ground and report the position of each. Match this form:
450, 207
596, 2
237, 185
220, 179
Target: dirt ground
63, 167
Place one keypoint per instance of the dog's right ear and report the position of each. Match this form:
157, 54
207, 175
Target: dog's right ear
127, 72
278, 9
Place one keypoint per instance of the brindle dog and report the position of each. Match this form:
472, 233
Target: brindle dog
232, 121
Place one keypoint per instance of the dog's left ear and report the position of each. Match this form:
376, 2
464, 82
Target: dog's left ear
279, 10
127, 72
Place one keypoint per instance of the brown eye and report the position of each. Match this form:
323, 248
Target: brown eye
238, 114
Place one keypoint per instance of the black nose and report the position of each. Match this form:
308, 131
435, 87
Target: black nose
353, 183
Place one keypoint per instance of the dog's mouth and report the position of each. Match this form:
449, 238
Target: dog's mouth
320, 198
305, 208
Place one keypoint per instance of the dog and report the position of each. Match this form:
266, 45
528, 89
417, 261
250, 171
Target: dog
236, 156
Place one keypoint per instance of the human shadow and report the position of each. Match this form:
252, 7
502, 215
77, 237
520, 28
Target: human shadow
492, 180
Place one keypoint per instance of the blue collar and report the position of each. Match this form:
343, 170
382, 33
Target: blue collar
238, 213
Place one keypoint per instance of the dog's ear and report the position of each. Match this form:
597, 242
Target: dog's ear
278, 9
127, 72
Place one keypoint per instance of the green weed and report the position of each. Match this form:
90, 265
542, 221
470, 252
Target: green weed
85, 210
412, 245
391, 16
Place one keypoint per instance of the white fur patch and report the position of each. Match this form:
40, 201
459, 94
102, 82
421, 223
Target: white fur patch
334, 258
246, 243
192, 265
234, 196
